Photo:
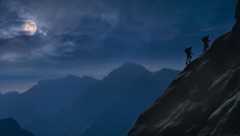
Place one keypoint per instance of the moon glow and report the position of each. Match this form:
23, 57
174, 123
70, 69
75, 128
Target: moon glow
30, 27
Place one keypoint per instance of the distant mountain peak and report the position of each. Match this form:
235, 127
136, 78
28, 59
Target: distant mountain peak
127, 71
131, 67
64, 85
68, 78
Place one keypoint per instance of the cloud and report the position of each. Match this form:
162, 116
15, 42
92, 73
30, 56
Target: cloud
9, 57
94, 33
93, 26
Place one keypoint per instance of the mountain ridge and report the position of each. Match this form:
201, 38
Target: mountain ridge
79, 105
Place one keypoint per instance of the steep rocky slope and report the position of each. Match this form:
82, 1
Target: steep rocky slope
205, 98
9, 127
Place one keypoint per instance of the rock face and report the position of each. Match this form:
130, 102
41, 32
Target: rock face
9, 127
205, 98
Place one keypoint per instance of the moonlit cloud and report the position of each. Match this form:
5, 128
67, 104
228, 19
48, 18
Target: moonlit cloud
10, 57
9, 30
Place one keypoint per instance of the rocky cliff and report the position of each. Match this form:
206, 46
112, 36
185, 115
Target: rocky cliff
205, 98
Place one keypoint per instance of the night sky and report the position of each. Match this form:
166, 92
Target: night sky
92, 37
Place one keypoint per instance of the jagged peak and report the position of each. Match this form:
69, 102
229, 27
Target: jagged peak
68, 78
132, 66
128, 70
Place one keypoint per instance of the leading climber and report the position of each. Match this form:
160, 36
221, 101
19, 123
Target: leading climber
189, 54
206, 43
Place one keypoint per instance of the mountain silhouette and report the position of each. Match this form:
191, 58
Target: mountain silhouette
122, 95
86, 106
9, 127
37, 107
204, 99
127, 71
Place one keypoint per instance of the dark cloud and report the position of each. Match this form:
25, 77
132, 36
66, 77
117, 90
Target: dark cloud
93, 36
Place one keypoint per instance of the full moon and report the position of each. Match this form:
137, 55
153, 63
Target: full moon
30, 27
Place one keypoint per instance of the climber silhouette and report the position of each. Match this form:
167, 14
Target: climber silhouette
189, 53
206, 44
